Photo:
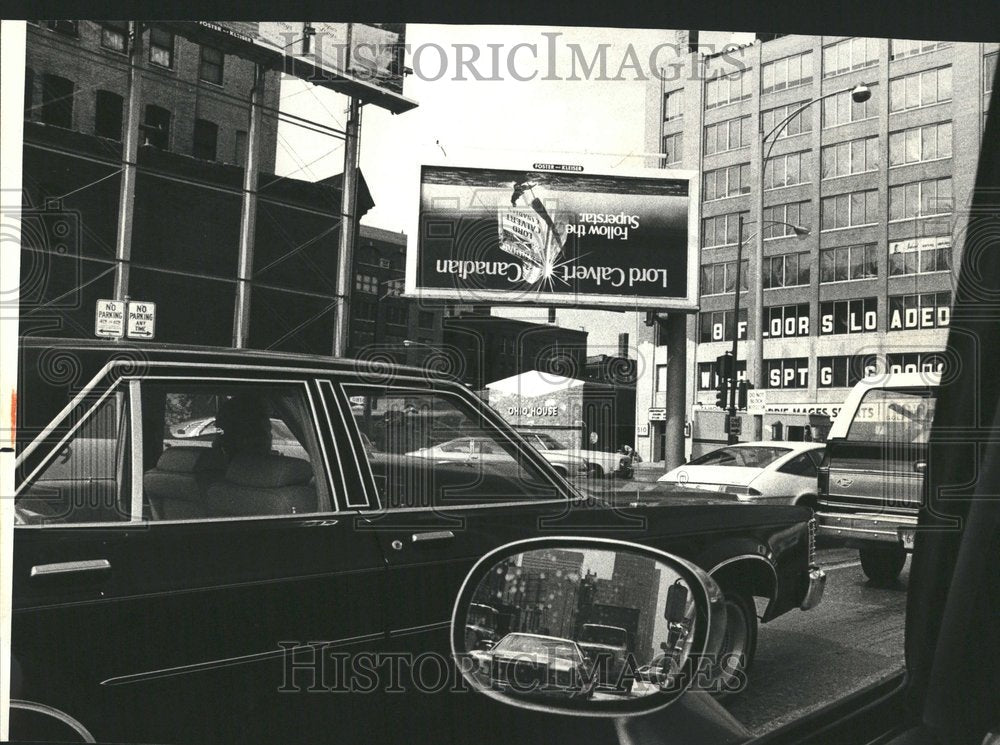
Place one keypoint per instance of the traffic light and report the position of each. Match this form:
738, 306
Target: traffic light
742, 389
724, 365
722, 393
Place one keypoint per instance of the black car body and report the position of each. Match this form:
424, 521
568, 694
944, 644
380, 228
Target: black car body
164, 594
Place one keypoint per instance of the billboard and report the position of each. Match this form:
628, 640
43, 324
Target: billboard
552, 234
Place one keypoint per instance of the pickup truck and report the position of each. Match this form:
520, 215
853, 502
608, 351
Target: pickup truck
173, 589
872, 476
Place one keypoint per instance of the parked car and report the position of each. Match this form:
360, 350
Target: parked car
537, 664
204, 592
471, 448
759, 472
872, 477
601, 464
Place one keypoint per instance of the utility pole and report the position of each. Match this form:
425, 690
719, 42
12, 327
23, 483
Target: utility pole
130, 152
348, 222
248, 215
735, 326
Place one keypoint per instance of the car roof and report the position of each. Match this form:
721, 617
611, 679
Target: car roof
133, 352
540, 636
795, 445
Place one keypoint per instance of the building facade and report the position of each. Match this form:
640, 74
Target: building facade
382, 321
485, 348
195, 99
883, 187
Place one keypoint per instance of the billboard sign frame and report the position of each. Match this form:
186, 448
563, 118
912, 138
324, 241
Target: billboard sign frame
565, 166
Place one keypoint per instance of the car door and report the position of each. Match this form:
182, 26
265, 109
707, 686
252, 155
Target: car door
436, 521
198, 604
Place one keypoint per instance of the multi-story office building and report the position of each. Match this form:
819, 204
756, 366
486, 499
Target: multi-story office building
883, 187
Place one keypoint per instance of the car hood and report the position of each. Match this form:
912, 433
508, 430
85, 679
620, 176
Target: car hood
555, 663
707, 476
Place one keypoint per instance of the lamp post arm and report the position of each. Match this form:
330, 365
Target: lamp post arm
784, 123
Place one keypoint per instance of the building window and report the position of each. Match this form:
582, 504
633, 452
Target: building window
844, 263
366, 283
114, 36
673, 148
396, 314
29, 92
364, 310
786, 270
57, 101
673, 105
782, 321
206, 137
210, 68
68, 28
846, 371
717, 325
708, 378
731, 134
900, 48
789, 72
799, 124
849, 210
161, 47
858, 316
787, 170
920, 255
920, 89
726, 182
726, 89
793, 213
721, 230
720, 278
108, 114
929, 310
156, 128
842, 109
920, 199
240, 148
917, 144
846, 158
911, 362
989, 72
787, 373
849, 54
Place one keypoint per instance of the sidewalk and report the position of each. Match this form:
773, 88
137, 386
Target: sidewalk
649, 471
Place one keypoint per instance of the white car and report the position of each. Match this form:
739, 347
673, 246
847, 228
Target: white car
760, 472
601, 463
486, 450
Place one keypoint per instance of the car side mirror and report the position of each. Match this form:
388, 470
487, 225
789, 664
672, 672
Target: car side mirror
576, 620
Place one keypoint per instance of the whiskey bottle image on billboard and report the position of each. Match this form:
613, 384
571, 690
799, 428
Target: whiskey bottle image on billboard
527, 232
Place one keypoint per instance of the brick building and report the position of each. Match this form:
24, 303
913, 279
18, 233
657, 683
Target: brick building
195, 98
882, 186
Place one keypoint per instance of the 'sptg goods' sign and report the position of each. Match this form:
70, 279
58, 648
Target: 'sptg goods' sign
554, 236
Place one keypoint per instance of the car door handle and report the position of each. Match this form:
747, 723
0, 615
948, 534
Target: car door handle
70, 567
434, 535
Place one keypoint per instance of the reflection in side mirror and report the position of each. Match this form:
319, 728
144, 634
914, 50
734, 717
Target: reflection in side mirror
584, 625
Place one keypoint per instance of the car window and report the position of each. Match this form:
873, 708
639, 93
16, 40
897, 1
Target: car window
261, 459
893, 415
88, 478
417, 461
800, 465
744, 457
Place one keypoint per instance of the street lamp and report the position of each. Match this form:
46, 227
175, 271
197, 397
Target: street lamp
859, 94
801, 232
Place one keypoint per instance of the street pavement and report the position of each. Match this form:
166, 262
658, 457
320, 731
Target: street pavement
807, 659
